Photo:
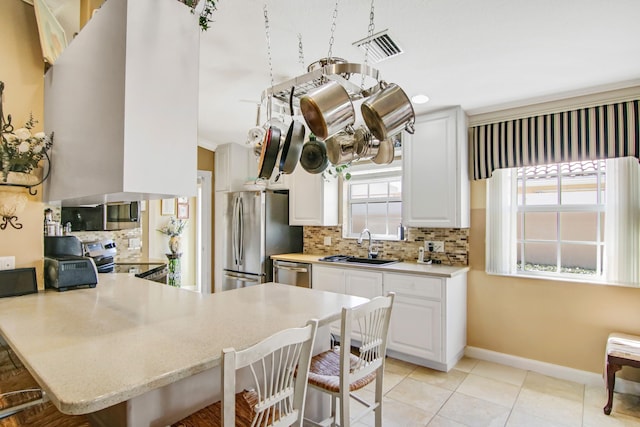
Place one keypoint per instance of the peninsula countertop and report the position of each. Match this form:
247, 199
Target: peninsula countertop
93, 348
438, 270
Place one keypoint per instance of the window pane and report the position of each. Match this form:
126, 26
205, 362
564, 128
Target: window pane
540, 225
578, 258
359, 190
540, 256
579, 190
602, 218
395, 214
542, 191
377, 221
579, 226
358, 217
378, 189
519, 227
395, 189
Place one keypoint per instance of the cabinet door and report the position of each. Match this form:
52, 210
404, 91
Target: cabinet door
312, 200
435, 172
416, 327
223, 180
233, 165
331, 280
362, 284
328, 279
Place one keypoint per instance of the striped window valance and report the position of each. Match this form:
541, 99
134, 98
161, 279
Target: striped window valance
600, 132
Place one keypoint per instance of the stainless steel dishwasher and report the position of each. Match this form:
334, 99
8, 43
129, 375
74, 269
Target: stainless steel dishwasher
292, 273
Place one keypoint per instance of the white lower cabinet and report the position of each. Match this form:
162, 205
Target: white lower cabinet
348, 281
429, 319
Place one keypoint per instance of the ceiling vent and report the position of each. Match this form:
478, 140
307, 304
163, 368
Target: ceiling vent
381, 46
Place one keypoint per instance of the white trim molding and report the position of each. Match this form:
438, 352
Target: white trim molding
551, 370
563, 102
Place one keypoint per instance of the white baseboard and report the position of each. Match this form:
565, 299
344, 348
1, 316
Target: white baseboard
551, 370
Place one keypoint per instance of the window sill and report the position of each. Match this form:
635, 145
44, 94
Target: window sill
582, 280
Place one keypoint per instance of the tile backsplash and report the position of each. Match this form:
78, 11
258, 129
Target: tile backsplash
456, 244
128, 242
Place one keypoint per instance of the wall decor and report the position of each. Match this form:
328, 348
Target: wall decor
167, 206
183, 210
53, 39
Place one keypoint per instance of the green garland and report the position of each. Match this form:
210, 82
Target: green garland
205, 15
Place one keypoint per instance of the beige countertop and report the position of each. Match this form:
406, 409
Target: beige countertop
438, 270
93, 348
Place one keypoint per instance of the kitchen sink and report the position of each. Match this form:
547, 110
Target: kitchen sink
356, 260
375, 261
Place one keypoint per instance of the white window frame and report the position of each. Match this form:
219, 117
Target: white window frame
622, 227
370, 173
561, 173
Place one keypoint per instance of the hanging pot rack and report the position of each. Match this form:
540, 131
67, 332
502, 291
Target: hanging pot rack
341, 73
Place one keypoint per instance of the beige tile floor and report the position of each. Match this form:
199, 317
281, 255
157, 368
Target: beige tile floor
480, 393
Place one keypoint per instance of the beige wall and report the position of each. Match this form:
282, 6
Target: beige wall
21, 69
557, 322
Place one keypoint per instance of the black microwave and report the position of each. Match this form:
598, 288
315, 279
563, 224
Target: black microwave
112, 216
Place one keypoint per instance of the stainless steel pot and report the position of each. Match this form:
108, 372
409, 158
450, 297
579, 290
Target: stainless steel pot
327, 110
388, 112
385, 152
345, 147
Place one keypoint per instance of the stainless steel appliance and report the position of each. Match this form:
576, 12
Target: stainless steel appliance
112, 216
65, 267
103, 253
292, 273
256, 227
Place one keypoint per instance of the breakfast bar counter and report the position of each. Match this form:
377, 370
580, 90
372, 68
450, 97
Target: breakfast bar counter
128, 340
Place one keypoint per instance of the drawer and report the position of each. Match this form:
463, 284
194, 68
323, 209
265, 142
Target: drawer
408, 284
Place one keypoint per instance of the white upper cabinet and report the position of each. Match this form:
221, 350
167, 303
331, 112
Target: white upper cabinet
312, 199
122, 100
233, 167
435, 186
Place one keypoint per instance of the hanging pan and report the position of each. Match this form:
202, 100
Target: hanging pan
314, 156
292, 144
269, 153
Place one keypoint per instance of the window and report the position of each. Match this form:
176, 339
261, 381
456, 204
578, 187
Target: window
577, 221
373, 199
560, 218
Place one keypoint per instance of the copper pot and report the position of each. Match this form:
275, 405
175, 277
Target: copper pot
327, 110
388, 112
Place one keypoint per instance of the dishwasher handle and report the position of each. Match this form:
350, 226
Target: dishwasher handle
295, 269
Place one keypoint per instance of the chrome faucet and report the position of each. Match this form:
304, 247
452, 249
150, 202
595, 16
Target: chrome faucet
370, 251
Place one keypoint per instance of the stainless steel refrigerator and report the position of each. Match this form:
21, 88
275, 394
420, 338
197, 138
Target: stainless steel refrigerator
256, 227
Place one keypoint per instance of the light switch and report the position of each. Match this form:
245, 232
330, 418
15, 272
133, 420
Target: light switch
327, 241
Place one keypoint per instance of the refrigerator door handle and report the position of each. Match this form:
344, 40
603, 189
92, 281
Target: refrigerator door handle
234, 231
241, 234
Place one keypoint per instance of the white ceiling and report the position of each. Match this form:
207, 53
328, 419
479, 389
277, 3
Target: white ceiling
484, 55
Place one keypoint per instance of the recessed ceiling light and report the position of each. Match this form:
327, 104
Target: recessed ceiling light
420, 99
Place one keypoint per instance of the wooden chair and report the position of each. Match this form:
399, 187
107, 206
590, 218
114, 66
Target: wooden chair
278, 367
339, 372
622, 349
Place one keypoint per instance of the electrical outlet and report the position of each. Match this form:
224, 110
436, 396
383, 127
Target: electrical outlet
7, 262
434, 246
327, 241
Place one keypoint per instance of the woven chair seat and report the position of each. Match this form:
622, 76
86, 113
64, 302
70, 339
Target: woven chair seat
212, 415
324, 372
